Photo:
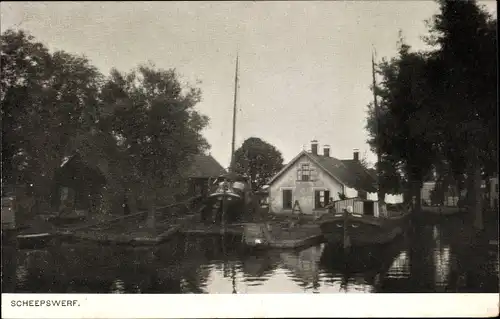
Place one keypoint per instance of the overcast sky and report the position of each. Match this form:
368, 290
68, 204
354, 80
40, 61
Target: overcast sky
305, 67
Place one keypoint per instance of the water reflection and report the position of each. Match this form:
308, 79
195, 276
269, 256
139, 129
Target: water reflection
118, 287
430, 260
400, 267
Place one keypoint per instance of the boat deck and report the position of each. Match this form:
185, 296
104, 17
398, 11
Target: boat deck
276, 237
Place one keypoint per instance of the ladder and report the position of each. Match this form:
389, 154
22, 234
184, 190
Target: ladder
296, 207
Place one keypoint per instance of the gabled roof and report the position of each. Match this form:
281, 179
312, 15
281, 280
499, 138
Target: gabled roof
364, 178
372, 172
205, 166
286, 167
348, 172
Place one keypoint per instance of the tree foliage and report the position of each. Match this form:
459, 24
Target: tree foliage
259, 160
47, 101
439, 108
142, 123
401, 132
465, 60
153, 120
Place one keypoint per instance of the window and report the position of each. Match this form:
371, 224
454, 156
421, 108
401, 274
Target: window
321, 198
287, 199
304, 173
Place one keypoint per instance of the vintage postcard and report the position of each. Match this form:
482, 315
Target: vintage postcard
201, 159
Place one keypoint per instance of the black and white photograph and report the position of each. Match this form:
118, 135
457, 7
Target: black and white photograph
248, 147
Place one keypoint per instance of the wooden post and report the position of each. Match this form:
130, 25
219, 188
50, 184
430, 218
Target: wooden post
231, 165
346, 240
224, 207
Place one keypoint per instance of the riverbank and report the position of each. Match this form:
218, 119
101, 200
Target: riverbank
132, 233
212, 264
132, 229
287, 231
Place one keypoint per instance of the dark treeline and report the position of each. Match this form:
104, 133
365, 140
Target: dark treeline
258, 160
139, 128
438, 108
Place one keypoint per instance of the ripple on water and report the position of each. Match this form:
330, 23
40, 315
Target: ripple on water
118, 286
439, 265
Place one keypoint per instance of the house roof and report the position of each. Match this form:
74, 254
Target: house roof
364, 178
205, 166
372, 172
348, 172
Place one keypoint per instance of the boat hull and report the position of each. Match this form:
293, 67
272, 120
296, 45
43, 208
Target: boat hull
34, 241
432, 214
362, 231
229, 207
256, 236
360, 258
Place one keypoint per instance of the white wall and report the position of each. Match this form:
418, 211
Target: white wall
372, 196
351, 192
394, 199
301, 191
389, 199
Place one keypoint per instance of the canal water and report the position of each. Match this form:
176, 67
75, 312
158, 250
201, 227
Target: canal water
435, 258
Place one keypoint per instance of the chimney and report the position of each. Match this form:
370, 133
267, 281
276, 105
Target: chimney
356, 154
314, 147
326, 150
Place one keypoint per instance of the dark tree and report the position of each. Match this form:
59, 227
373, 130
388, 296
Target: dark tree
403, 131
152, 117
465, 78
259, 160
48, 100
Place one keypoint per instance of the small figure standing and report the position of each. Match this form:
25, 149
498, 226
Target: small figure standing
331, 206
126, 208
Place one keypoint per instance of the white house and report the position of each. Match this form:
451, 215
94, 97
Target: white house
312, 180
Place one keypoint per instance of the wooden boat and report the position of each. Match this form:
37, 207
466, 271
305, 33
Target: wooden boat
66, 219
359, 227
256, 235
233, 196
361, 258
231, 199
367, 266
34, 241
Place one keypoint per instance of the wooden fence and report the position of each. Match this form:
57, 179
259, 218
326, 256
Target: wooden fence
355, 203
162, 214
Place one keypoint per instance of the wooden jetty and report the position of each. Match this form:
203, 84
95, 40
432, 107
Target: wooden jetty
133, 237
33, 241
261, 235
126, 230
137, 238
213, 229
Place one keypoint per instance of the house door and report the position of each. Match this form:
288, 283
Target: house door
287, 199
368, 208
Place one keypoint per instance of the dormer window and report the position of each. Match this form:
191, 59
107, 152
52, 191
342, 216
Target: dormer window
304, 172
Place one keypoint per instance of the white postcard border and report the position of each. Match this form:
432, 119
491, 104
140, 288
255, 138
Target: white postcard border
248, 305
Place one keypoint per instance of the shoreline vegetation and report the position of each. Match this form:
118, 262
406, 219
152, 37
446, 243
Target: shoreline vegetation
132, 135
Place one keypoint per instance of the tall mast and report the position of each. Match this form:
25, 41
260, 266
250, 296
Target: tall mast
231, 167
377, 119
